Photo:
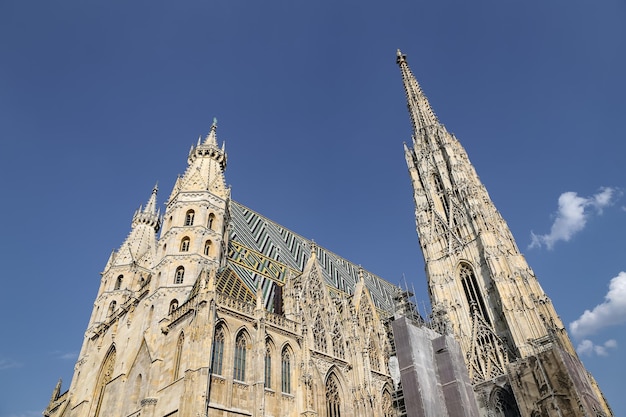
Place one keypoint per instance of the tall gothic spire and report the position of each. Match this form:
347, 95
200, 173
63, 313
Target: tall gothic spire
478, 280
422, 114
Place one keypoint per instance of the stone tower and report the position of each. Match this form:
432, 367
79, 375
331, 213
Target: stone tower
480, 285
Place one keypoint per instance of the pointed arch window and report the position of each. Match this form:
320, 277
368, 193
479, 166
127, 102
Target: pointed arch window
285, 370
218, 351
374, 359
106, 374
472, 291
268, 364
173, 305
333, 398
118, 282
441, 193
207, 247
112, 307
239, 368
387, 404
189, 217
180, 275
211, 221
319, 336
338, 348
179, 354
184, 244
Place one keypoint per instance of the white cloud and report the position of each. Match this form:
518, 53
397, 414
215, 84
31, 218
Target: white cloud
8, 363
588, 348
572, 216
609, 313
68, 356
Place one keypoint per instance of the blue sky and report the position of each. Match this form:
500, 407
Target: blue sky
99, 100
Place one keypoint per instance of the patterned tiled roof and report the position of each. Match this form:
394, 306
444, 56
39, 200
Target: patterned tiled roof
262, 250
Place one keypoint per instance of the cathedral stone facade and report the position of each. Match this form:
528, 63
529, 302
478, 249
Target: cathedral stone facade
211, 309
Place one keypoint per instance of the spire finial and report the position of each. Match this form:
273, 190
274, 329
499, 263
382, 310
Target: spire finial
211, 138
422, 114
152, 203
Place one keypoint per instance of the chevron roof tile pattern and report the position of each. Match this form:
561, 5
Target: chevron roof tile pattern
261, 250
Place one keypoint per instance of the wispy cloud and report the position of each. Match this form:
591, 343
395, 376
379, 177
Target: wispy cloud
8, 363
68, 356
588, 348
27, 414
59, 354
572, 216
609, 313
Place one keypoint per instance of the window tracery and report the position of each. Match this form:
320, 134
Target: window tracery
387, 405
218, 351
184, 244
338, 347
239, 368
268, 364
472, 291
374, 357
285, 371
333, 398
106, 374
319, 336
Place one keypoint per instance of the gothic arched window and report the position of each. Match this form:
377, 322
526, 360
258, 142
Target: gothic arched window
207, 247
218, 351
268, 364
118, 282
106, 374
180, 275
241, 348
319, 336
285, 370
338, 348
387, 404
472, 291
179, 353
333, 398
184, 244
112, 307
441, 193
189, 218
173, 305
374, 358
211, 221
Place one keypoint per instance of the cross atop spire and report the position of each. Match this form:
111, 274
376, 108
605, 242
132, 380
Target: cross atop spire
422, 115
